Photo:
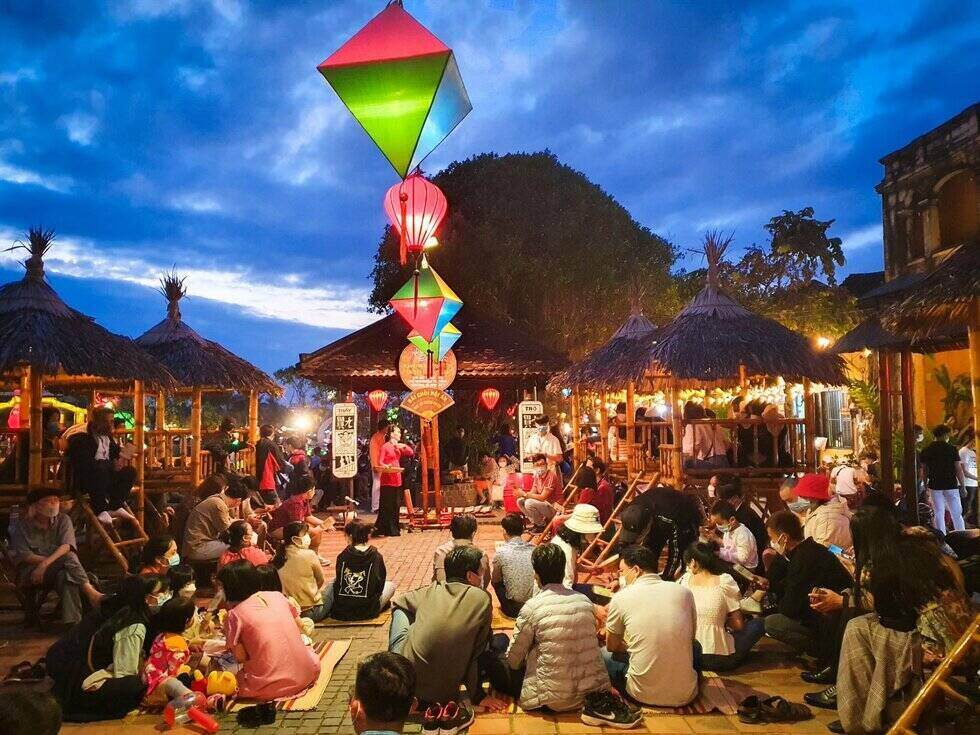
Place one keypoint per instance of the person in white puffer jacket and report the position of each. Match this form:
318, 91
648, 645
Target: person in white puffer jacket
555, 640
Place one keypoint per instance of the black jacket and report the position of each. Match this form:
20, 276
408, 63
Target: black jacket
357, 588
81, 471
263, 448
811, 564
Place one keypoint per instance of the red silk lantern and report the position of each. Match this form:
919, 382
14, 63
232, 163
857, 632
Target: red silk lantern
489, 398
377, 398
415, 207
512, 410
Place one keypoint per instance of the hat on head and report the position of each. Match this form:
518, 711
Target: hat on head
635, 519
39, 493
584, 519
813, 487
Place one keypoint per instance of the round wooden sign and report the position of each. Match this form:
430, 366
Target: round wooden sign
413, 369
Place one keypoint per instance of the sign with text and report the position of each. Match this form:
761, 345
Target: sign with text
344, 440
414, 369
527, 413
427, 402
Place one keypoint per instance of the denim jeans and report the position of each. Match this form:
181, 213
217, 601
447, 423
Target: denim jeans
745, 640
617, 664
398, 632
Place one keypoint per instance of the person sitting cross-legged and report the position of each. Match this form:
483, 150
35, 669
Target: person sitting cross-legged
651, 653
737, 542
383, 694
42, 544
361, 588
511, 572
442, 629
462, 527
207, 521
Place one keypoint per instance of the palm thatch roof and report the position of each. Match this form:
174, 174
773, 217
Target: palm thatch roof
713, 336
38, 329
194, 360
488, 353
871, 335
624, 358
947, 296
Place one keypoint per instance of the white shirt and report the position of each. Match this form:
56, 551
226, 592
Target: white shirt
101, 447
714, 603
738, 547
968, 457
546, 444
657, 621
569, 560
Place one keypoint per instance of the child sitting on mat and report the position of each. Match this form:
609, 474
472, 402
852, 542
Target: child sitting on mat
169, 650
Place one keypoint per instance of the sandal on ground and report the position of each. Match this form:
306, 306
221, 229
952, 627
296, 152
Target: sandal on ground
257, 715
777, 709
749, 711
19, 672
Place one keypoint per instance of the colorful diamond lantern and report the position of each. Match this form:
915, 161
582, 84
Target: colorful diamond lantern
438, 347
426, 302
402, 85
415, 207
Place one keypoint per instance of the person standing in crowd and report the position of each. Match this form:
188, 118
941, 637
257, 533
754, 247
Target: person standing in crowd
538, 503
968, 460
511, 573
97, 467
462, 528
737, 542
377, 440
943, 474
456, 449
827, 523
505, 442
651, 653
544, 442
207, 521
300, 465
389, 459
361, 589
384, 691
269, 462
43, 548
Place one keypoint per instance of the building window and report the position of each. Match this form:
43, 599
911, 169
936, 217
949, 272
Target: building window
834, 419
916, 236
959, 220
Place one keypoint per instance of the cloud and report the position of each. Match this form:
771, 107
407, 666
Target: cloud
81, 127
18, 175
195, 202
862, 238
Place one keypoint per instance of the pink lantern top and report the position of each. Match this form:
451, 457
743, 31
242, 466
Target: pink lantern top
415, 207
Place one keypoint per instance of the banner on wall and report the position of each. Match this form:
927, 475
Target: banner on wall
344, 440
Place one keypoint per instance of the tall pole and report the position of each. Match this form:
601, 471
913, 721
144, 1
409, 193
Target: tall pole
678, 435
630, 428
577, 451
36, 431
973, 332
160, 419
139, 421
909, 469
436, 467
196, 437
253, 422
603, 427
809, 447
885, 421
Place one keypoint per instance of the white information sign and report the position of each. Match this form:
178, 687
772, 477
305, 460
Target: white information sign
344, 440
527, 413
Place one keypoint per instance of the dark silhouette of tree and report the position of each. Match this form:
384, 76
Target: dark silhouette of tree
534, 243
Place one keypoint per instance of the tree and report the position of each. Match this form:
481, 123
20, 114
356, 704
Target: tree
538, 246
300, 391
799, 243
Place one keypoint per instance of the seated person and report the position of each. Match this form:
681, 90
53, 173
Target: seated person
809, 565
383, 694
242, 543
745, 514
361, 588
98, 467
159, 554
182, 584
717, 600
300, 571
208, 520
602, 496
43, 548
298, 508
511, 573
29, 713
168, 651
538, 503
674, 521
850, 486
442, 629
826, 523
574, 536
263, 631
650, 635
555, 642
737, 542
462, 527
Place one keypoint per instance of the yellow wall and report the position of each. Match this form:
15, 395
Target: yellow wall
928, 393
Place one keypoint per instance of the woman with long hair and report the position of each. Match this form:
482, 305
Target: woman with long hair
389, 460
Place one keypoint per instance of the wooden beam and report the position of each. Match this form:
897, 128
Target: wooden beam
160, 421
578, 453
809, 448
603, 427
36, 433
910, 484
196, 437
630, 428
885, 421
139, 424
253, 417
436, 467
678, 432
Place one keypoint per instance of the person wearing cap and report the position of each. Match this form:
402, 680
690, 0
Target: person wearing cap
538, 502
826, 522
675, 520
42, 545
542, 441
810, 565
575, 534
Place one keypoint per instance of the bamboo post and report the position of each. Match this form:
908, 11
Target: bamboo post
603, 427
743, 381
25, 399
436, 467
161, 411
809, 448
630, 428
139, 422
577, 450
253, 423
973, 332
885, 421
425, 441
196, 437
36, 430
676, 429
909, 469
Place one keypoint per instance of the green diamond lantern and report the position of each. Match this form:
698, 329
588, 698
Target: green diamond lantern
438, 347
426, 302
402, 85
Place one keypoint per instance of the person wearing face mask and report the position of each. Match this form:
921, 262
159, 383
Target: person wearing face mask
538, 502
207, 521
810, 565
242, 543
181, 578
544, 442
42, 545
737, 542
159, 555
828, 523
300, 571
96, 666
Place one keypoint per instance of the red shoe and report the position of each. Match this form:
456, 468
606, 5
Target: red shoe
431, 720
455, 717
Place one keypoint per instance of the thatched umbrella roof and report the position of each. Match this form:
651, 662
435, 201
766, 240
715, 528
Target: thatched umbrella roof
194, 360
711, 337
945, 297
38, 329
623, 358
870, 335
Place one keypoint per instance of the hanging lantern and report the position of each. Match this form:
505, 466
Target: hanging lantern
415, 207
426, 302
512, 410
489, 398
377, 398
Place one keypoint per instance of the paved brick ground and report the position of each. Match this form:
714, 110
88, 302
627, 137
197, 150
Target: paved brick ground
409, 562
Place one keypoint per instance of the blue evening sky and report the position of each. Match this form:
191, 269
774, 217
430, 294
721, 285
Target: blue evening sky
197, 133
